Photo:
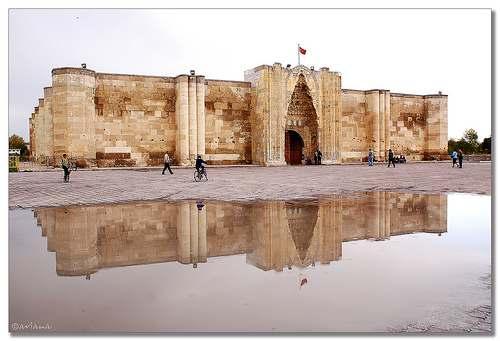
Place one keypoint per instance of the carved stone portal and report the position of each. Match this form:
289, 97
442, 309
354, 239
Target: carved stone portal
301, 119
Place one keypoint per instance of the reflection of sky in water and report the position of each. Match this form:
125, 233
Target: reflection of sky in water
469, 218
375, 285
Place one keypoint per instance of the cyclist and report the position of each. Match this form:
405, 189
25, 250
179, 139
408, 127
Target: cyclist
199, 164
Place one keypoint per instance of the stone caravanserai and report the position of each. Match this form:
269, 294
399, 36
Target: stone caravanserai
277, 116
273, 235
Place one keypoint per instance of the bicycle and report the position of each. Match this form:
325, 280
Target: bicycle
200, 176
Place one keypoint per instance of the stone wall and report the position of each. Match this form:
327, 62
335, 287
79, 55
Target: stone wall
228, 136
357, 126
73, 112
136, 122
273, 235
436, 109
128, 120
408, 126
412, 125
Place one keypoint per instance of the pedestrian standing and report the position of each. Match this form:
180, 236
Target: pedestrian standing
391, 159
454, 157
315, 157
319, 157
65, 167
460, 158
370, 157
166, 160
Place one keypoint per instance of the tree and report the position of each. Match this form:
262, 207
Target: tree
465, 146
470, 135
17, 142
486, 145
468, 143
452, 145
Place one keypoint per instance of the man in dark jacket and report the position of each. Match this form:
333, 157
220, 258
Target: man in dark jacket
460, 155
199, 164
391, 159
319, 157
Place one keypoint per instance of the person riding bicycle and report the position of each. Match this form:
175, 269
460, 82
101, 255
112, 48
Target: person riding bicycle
199, 164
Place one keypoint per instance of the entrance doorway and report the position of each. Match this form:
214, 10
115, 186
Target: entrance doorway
294, 146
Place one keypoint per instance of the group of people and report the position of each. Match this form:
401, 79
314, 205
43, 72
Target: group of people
391, 158
317, 157
198, 164
166, 160
457, 156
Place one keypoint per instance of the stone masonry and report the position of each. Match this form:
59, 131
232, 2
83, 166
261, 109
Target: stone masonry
274, 235
105, 120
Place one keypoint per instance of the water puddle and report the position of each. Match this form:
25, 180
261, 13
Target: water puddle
367, 263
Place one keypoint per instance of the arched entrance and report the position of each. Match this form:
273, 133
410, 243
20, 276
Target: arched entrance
294, 147
301, 223
301, 125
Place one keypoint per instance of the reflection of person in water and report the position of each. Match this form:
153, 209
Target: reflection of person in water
200, 205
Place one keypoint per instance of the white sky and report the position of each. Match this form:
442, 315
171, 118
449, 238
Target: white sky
409, 51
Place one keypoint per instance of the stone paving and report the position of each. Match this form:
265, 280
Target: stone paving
35, 189
476, 320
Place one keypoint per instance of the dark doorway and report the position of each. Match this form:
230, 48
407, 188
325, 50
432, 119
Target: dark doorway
293, 148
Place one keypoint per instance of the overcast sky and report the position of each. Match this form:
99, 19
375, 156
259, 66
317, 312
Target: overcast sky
409, 51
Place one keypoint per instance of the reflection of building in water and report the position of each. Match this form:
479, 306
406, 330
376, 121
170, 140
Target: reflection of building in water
273, 235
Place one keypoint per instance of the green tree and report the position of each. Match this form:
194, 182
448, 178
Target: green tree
486, 145
465, 146
470, 135
17, 142
468, 143
452, 145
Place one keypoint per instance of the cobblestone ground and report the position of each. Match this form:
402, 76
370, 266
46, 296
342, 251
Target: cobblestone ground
458, 321
35, 189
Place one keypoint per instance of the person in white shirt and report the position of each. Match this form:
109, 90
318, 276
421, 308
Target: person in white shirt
166, 159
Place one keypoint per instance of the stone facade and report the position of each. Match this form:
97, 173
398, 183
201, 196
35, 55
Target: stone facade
273, 235
277, 116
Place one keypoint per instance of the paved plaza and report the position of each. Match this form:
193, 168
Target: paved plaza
36, 189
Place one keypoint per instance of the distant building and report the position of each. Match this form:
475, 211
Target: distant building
274, 117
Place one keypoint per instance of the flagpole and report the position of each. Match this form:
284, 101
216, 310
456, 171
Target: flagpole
298, 53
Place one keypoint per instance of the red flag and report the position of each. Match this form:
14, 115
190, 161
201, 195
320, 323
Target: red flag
301, 50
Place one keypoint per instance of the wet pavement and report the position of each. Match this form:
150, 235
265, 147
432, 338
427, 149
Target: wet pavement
39, 189
373, 262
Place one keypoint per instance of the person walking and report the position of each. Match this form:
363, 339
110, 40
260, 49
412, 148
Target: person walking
166, 160
315, 157
370, 157
454, 157
391, 159
319, 157
460, 155
65, 167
